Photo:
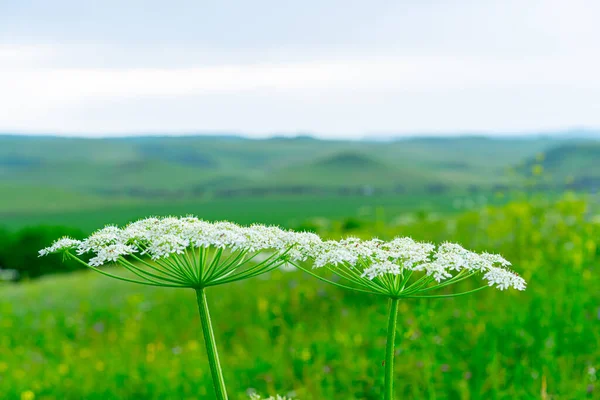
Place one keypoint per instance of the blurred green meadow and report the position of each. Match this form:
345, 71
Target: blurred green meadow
80, 335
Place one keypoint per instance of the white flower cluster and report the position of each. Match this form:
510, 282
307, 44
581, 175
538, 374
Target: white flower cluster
381, 258
404, 251
382, 268
162, 237
60, 244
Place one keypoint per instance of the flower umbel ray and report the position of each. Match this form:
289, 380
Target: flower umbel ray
186, 252
404, 268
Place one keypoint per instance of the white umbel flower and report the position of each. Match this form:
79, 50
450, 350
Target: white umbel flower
380, 269
62, 244
190, 252
504, 279
161, 238
111, 253
399, 258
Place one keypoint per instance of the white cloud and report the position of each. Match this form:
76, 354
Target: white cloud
14, 56
445, 66
51, 98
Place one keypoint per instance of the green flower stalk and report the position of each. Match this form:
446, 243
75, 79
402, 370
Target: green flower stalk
189, 253
403, 269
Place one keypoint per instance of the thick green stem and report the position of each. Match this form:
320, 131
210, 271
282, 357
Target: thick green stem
211, 346
389, 350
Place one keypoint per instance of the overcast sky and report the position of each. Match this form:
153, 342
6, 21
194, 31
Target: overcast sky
333, 68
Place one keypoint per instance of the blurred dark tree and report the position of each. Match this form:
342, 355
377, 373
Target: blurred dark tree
307, 226
5, 245
19, 251
352, 224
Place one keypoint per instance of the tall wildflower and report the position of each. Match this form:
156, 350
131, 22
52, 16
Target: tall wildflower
188, 253
403, 268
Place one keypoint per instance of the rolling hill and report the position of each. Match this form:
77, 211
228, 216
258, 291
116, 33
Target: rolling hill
166, 164
575, 165
57, 174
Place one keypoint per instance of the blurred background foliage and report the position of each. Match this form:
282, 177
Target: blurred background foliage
83, 336
19, 251
86, 336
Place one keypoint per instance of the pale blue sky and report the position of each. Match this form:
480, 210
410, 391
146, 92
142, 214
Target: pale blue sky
334, 68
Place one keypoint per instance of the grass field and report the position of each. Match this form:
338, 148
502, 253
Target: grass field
283, 210
86, 336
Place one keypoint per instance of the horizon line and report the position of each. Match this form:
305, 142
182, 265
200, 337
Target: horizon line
575, 132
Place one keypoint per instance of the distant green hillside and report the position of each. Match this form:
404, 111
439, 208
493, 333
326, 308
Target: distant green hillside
133, 165
54, 173
347, 169
576, 165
